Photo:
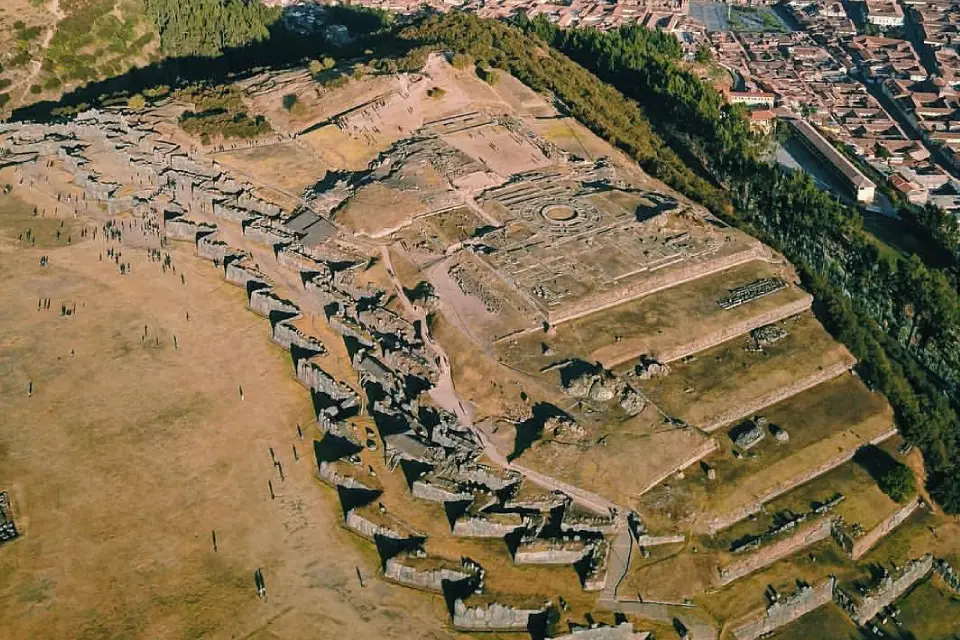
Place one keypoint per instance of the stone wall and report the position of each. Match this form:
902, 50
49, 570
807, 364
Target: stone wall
265, 301
765, 556
425, 579
241, 274
330, 473
718, 523
655, 282
784, 612
492, 617
709, 340
622, 631
798, 385
367, 528
481, 527
438, 490
890, 589
551, 552
857, 548
701, 452
287, 335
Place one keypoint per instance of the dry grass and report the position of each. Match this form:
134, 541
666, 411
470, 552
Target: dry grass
656, 324
285, 166
703, 388
823, 422
129, 454
825, 622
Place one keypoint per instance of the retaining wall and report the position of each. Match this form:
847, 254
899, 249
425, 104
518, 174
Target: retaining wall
865, 542
703, 451
786, 611
492, 617
797, 386
425, 579
551, 553
771, 553
480, 527
915, 571
719, 523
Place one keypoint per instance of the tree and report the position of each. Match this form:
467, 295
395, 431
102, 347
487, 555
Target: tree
289, 101
461, 61
703, 55
898, 482
136, 102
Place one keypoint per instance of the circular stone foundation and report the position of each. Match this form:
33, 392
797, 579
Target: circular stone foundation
559, 213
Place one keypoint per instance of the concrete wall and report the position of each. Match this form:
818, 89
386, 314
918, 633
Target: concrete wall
425, 579
492, 617
769, 554
786, 611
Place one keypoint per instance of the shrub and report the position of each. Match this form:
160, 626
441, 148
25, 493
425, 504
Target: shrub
461, 60
436, 92
898, 482
289, 101
137, 102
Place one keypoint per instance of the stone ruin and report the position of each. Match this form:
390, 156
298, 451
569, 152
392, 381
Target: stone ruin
765, 336
871, 600
751, 291
594, 383
8, 529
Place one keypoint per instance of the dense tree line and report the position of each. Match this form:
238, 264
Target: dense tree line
208, 27
900, 317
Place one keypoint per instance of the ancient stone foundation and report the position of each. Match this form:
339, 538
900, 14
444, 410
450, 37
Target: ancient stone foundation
492, 617
400, 571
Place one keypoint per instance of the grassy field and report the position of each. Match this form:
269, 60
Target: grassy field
656, 324
131, 452
931, 611
705, 387
834, 417
825, 622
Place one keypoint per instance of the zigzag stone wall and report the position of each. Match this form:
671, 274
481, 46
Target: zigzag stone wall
425, 579
493, 617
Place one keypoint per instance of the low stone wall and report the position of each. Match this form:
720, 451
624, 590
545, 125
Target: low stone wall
782, 613
542, 552
701, 452
766, 556
425, 579
719, 523
438, 490
857, 548
709, 340
480, 527
891, 589
492, 617
797, 386
622, 631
